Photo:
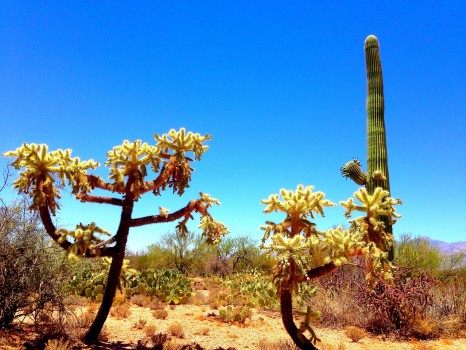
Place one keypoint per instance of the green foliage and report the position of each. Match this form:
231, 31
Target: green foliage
31, 272
190, 254
91, 278
417, 253
88, 281
257, 288
168, 286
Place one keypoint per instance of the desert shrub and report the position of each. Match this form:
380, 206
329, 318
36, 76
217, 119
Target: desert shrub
140, 323
169, 286
158, 340
395, 308
335, 298
149, 330
160, 314
140, 300
355, 333
32, 273
176, 329
121, 311
449, 306
417, 253
156, 304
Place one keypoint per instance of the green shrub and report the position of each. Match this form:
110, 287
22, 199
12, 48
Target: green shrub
417, 253
32, 273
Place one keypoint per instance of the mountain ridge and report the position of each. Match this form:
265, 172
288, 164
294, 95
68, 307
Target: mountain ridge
447, 248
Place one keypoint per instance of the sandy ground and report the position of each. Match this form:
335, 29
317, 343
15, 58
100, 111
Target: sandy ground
211, 333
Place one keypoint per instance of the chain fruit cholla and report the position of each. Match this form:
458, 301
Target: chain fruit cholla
46, 172
295, 242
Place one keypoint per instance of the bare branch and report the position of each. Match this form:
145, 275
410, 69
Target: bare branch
6, 176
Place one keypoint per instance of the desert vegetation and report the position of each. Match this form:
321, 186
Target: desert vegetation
64, 284
425, 301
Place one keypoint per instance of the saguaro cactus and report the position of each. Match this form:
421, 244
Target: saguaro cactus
377, 159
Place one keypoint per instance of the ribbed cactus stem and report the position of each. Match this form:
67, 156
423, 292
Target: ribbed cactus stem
353, 170
377, 159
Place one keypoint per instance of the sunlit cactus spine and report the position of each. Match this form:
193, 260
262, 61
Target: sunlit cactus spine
377, 159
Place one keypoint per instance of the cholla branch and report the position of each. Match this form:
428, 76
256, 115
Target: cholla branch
98, 199
194, 205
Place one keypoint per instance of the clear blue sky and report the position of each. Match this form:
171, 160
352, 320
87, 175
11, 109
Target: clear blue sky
280, 85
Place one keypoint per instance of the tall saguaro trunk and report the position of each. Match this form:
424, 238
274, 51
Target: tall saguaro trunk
377, 158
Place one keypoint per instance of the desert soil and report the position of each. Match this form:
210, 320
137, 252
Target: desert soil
262, 326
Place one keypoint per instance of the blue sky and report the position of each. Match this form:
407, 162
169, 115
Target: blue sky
281, 86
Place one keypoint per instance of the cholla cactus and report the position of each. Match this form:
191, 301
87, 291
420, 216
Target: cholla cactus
295, 240
46, 172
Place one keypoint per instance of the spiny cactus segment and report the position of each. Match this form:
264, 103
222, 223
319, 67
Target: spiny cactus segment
353, 170
84, 238
43, 168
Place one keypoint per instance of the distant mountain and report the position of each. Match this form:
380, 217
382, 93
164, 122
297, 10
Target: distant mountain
448, 248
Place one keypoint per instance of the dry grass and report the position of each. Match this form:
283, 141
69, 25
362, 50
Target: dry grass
283, 344
160, 314
149, 330
422, 346
140, 300
355, 333
327, 346
121, 311
140, 323
58, 344
176, 329
158, 340
203, 331
120, 298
